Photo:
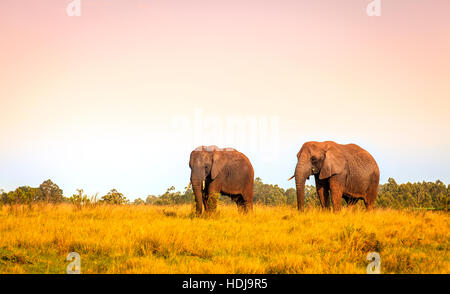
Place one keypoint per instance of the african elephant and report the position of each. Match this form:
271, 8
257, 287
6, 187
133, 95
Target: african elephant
226, 171
347, 171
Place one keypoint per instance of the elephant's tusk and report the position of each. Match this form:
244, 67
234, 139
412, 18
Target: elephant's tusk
203, 184
189, 185
291, 178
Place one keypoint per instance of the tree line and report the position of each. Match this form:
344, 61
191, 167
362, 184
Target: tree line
427, 195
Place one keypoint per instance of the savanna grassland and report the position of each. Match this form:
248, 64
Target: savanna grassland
169, 239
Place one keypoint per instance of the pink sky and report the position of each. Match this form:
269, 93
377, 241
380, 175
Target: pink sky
88, 101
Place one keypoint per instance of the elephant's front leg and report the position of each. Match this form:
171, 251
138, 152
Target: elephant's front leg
322, 188
212, 197
326, 197
337, 190
321, 195
205, 198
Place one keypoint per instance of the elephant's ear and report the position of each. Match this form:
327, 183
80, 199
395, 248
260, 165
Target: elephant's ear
333, 164
218, 163
191, 160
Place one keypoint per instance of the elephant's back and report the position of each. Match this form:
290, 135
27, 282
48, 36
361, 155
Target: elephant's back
242, 157
361, 159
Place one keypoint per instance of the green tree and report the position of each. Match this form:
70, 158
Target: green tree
268, 194
291, 196
22, 195
50, 192
311, 198
427, 195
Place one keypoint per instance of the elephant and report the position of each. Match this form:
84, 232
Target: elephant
345, 171
226, 171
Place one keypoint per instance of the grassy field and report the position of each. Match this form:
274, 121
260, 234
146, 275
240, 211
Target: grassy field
152, 239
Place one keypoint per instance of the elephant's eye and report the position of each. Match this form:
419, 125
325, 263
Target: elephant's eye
313, 159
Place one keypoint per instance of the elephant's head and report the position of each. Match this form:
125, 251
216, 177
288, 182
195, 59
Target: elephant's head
205, 163
323, 159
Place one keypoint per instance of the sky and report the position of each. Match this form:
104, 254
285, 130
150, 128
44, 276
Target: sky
119, 96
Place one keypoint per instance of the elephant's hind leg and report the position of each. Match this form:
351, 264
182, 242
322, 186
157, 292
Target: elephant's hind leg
244, 205
372, 192
248, 206
247, 197
240, 203
369, 201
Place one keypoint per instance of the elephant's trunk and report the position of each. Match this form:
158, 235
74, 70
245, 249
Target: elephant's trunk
301, 174
198, 192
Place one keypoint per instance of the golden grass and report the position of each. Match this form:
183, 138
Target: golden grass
151, 239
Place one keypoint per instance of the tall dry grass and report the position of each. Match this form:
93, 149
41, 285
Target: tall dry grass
151, 239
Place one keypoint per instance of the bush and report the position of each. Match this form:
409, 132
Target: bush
114, 197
